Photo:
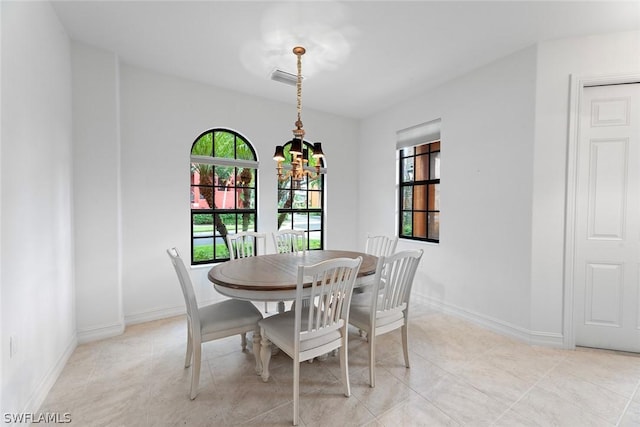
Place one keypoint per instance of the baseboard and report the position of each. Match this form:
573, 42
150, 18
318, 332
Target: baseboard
158, 314
101, 332
501, 327
42, 390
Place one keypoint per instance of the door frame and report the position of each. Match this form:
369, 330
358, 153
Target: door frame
577, 86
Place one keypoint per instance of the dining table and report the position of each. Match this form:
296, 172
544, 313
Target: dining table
273, 277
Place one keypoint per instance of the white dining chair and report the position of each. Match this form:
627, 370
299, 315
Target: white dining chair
212, 322
286, 241
380, 245
313, 330
385, 309
245, 244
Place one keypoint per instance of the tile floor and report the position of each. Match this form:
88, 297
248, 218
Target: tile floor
460, 375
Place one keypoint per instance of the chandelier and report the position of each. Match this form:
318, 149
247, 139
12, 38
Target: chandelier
298, 168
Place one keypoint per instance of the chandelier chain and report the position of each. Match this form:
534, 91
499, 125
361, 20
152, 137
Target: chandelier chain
299, 90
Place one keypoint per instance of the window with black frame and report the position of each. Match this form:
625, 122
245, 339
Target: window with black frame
301, 202
419, 182
223, 192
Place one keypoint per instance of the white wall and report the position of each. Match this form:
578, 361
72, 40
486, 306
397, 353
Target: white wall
481, 268
161, 115
96, 180
36, 199
504, 134
557, 60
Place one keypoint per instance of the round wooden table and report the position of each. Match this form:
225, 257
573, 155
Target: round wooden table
273, 277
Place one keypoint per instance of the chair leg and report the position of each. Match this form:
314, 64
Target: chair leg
187, 359
256, 350
243, 337
372, 358
405, 347
195, 370
344, 365
265, 355
296, 390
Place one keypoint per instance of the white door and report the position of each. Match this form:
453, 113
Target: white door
607, 238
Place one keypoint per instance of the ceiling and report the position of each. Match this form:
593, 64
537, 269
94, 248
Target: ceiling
362, 56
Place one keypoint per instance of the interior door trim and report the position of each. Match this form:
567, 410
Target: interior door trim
576, 87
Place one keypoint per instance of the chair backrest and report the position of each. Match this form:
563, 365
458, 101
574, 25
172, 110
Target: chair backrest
329, 295
397, 273
381, 245
187, 289
286, 241
246, 244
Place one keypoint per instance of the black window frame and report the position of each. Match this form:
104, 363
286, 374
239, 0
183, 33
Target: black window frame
426, 186
214, 211
289, 185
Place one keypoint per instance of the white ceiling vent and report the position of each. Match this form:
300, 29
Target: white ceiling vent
284, 77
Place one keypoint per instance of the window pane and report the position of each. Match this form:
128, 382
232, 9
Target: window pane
284, 184
435, 165
203, 146
300, 200
225, 198
407, 198
408, 151
422, 168
407, 169
420, 197
434, 225
242, 150
246, 198
315, 184
300, 221
422, 149
223, 144
201, 174
246, 177
284, 219
202, 237
229, 221
224, 176
315, 199
202, 250
407, 225
199, 197
420, 224
434, 197
222, 250
315, 240
315, 221
246, 222
284, 199
202, 223
435, 146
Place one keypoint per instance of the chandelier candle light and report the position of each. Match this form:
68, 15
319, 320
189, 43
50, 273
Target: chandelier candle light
299, 154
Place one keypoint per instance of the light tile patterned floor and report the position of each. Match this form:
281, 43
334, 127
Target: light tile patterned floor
460, 375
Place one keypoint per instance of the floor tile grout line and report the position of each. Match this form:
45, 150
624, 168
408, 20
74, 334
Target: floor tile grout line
629, 402
534, 385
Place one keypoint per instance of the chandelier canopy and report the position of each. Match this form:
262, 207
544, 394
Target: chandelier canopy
299, 155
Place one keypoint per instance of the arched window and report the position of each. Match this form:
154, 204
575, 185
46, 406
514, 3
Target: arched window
301, 204
223, 192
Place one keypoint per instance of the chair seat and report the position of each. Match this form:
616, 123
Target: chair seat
228, 315
281, 331
360, 311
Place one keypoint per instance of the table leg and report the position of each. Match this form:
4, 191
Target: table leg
280, 306
256, 350
265, 354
